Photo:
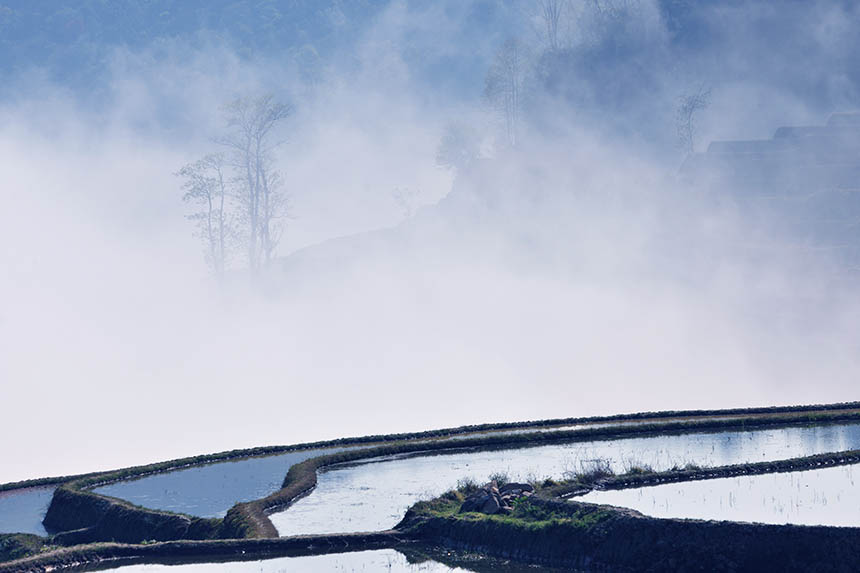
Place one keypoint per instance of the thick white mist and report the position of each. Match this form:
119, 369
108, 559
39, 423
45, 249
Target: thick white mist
573, 277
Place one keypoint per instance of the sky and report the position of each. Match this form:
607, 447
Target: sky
574, 274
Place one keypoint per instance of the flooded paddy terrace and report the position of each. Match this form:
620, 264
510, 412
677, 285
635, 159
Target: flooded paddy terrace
374, 494
825, 496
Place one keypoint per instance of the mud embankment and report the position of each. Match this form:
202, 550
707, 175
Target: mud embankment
203, 551
601, 538
84, 517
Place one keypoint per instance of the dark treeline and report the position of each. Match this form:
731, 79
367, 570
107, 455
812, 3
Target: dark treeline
619, 49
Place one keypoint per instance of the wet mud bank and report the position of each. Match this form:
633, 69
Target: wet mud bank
198, 551
84, 517
604, 538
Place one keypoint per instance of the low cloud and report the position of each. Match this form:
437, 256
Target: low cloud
574, 276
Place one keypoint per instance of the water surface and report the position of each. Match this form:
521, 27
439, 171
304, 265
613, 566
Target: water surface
374, 495
211, 490
828, 496
22, 510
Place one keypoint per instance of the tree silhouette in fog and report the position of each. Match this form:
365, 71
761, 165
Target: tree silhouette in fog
240, 191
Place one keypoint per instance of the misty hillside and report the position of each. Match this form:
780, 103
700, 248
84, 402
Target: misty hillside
75, 44
354, 205
627, 56
348, 284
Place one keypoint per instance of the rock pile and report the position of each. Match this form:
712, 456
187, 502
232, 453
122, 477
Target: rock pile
492, 499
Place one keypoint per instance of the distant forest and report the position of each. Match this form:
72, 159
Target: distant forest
787, 44
70, 41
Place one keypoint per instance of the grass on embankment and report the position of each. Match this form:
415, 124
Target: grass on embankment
18, 545
546, 530
525, 515
534, 531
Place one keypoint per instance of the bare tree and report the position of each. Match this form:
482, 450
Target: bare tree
251, 127
688, 107
550, 12
504, 85
204, 185
459, 147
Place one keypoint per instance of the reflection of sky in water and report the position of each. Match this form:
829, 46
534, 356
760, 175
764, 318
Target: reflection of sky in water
209, 491
387, 560
375, 496
829, 496
22, 510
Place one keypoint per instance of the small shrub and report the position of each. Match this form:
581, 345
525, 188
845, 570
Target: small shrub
594, 470
501, 478
636, 467
639, 470
467, 485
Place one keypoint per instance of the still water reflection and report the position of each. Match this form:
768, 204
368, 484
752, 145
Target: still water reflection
828, 496
22, 510
209, 491
374, 495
